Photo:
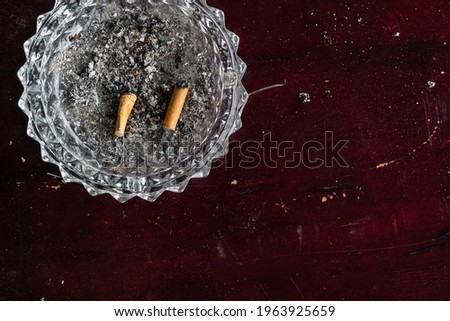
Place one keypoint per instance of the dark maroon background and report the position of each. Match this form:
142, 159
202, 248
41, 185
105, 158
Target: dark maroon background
270, 237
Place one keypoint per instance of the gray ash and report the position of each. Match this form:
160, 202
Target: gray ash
304, 98
144, 53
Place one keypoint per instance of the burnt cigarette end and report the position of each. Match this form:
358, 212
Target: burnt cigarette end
176, 107
183, 84
127, 102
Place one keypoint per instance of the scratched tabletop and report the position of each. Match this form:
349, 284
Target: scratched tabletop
340, 196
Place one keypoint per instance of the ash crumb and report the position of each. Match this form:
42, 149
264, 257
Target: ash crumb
10, 143
431, 84
235, 182
304, 98
324, 199
23, 160
74, 38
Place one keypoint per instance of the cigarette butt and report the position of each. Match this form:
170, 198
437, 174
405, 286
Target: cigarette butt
175, 107
127, 102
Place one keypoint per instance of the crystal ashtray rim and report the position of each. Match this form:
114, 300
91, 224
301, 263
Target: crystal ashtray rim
98, 185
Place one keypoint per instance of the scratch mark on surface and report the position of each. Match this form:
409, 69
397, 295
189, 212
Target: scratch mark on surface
431, 132
161, 227
412, 152
427, 119
233, 253
283, 206
336, 188
361, 221
268, 88
358, 251
300, 238
220, 249
395, 247
298, 289
378, 249
395, 226
253, 220
441, 240
268, 297
436, 107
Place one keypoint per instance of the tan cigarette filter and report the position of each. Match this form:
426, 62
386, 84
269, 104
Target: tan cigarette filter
127, 102
175, 107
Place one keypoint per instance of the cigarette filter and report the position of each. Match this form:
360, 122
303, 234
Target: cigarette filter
127, 102
175, 107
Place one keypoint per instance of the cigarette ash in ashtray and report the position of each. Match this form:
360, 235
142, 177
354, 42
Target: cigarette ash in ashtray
144, 53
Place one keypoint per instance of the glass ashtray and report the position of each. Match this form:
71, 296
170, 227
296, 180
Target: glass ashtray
87, 53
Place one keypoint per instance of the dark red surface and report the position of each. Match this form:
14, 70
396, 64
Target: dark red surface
365, 65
